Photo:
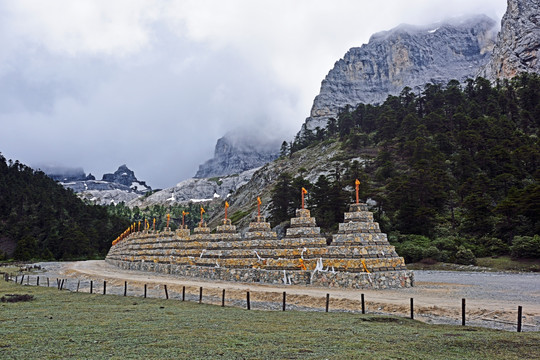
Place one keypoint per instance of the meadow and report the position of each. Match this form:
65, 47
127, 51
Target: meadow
62, 324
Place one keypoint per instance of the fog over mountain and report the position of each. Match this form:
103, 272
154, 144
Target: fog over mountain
155, 84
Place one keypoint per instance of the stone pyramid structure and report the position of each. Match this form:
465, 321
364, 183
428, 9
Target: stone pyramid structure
361, 245
359, 255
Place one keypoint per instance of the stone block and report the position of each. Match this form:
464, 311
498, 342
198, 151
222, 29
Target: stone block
362, 216
302, 213
303, 232
303, 222
201, 230
259, 226
358, 207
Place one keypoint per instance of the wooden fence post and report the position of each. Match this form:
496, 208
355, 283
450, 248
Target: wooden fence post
37, 281
200, 295
223, 298
78, 284
145, 291
47, 282
248, 302
363, 304
520, 309
166, 292
125, 288
22, 279
91, 286
183, 293
327, 301
463, 312
284, 300
104, 287
412, 309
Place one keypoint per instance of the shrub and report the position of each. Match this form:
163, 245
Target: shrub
445, 256
12, 298
431, 253
449, 243
489, 246
525, 247
410, 252
465, 256
415, 239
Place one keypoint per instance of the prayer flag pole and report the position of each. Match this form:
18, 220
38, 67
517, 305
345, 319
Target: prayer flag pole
304, 192
357, 184
184, 217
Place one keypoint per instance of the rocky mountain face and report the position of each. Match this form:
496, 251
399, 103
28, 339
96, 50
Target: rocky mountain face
235, 154
404, 56
126, 177
309, 162
518, 43
122, 185
196, 190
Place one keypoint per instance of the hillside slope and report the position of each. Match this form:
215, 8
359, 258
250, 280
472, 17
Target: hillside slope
457, 166
39, 219
407, 55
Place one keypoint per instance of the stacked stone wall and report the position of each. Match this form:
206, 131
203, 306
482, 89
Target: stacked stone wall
358, 257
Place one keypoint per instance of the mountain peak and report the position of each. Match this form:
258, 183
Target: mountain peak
126, 177
235, 153
407, 55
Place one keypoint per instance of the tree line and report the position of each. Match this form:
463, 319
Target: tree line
456, 170
41, 219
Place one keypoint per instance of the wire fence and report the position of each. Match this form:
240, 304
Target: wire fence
273, 302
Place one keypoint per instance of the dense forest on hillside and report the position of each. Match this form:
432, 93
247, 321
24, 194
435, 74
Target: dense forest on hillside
454, 170
42, 220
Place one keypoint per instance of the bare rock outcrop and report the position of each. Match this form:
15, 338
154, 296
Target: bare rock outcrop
236, 153
404, 56
518, 43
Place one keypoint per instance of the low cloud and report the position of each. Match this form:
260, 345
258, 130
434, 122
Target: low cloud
154, 84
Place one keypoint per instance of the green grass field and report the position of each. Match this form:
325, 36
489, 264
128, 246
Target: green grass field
499, 263
61, 324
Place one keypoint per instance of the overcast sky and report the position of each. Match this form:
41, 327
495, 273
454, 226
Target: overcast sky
153, 84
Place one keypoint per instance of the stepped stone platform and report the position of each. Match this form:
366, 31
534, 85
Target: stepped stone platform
359, 255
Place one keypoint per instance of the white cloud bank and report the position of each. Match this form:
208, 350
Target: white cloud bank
153, 84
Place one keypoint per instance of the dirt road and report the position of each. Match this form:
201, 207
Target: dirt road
492, 299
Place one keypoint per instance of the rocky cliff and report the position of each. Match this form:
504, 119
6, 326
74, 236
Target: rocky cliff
236, 153
404, 56
196, 190
126, 177
309, 162
122, 185
518, 43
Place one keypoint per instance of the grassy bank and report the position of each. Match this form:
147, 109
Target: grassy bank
60, 324
498, 263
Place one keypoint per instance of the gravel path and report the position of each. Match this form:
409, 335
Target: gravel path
492, 298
